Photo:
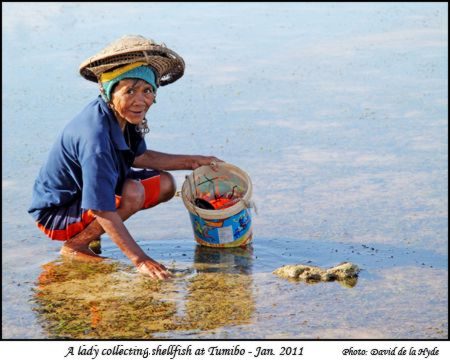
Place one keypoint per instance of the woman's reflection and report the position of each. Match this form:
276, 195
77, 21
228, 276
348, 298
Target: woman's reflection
108, 300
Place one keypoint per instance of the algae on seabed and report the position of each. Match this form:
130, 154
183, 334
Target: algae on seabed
218, 299
110, 300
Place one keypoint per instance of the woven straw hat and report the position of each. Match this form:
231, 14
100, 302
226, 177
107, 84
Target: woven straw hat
169, 66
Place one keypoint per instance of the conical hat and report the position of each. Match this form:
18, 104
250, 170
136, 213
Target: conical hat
169, 66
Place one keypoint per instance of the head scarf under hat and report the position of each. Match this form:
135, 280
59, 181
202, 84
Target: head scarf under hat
135, 70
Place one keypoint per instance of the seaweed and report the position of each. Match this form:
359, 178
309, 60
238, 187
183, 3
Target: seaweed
78, 300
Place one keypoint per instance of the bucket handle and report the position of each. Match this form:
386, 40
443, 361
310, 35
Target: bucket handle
193, 191
250, 204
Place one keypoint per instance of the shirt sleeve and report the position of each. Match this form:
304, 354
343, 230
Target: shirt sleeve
100, 177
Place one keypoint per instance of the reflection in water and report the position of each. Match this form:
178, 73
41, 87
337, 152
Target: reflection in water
227, 260
110, 300
221, 293
101, 300
348, 282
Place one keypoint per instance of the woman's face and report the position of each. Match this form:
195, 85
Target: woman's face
131, 99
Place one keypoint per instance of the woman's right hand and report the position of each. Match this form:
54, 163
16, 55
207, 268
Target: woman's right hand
153, 269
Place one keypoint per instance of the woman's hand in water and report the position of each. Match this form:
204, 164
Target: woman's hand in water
153, 269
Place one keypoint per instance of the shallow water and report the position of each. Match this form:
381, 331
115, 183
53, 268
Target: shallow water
337, 112
232, 293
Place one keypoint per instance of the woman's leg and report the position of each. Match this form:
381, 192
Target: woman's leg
133, 200
167, 187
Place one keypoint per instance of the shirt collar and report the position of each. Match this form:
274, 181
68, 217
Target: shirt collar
115, 130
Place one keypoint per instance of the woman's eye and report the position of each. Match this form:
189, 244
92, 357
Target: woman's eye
130, 91
148, 91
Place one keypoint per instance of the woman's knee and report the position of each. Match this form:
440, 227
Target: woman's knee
133, 195
168, 187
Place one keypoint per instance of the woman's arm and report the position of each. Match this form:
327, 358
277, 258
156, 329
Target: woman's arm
162, 161
116, 230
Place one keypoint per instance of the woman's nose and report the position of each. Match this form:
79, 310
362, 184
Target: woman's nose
143, 99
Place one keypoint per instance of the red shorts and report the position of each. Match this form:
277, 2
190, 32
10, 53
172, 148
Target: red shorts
62, 223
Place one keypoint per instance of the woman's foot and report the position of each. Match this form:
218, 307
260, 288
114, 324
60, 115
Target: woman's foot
81, 253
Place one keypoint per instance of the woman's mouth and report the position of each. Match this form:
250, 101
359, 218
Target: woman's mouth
137, 113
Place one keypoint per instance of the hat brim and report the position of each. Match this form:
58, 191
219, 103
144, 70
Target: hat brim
167, 64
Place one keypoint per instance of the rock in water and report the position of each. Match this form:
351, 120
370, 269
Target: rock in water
344, 270
341, 272
290, 271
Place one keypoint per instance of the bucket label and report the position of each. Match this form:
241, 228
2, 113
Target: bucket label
221, 231
225, 234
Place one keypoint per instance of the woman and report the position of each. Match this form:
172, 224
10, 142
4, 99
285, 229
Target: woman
88, 186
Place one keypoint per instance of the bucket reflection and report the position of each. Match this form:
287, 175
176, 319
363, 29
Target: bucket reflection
226, 260
221, 293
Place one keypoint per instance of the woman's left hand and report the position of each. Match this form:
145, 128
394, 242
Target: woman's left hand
199, 160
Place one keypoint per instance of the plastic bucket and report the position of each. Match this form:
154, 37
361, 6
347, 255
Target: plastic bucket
229, 189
